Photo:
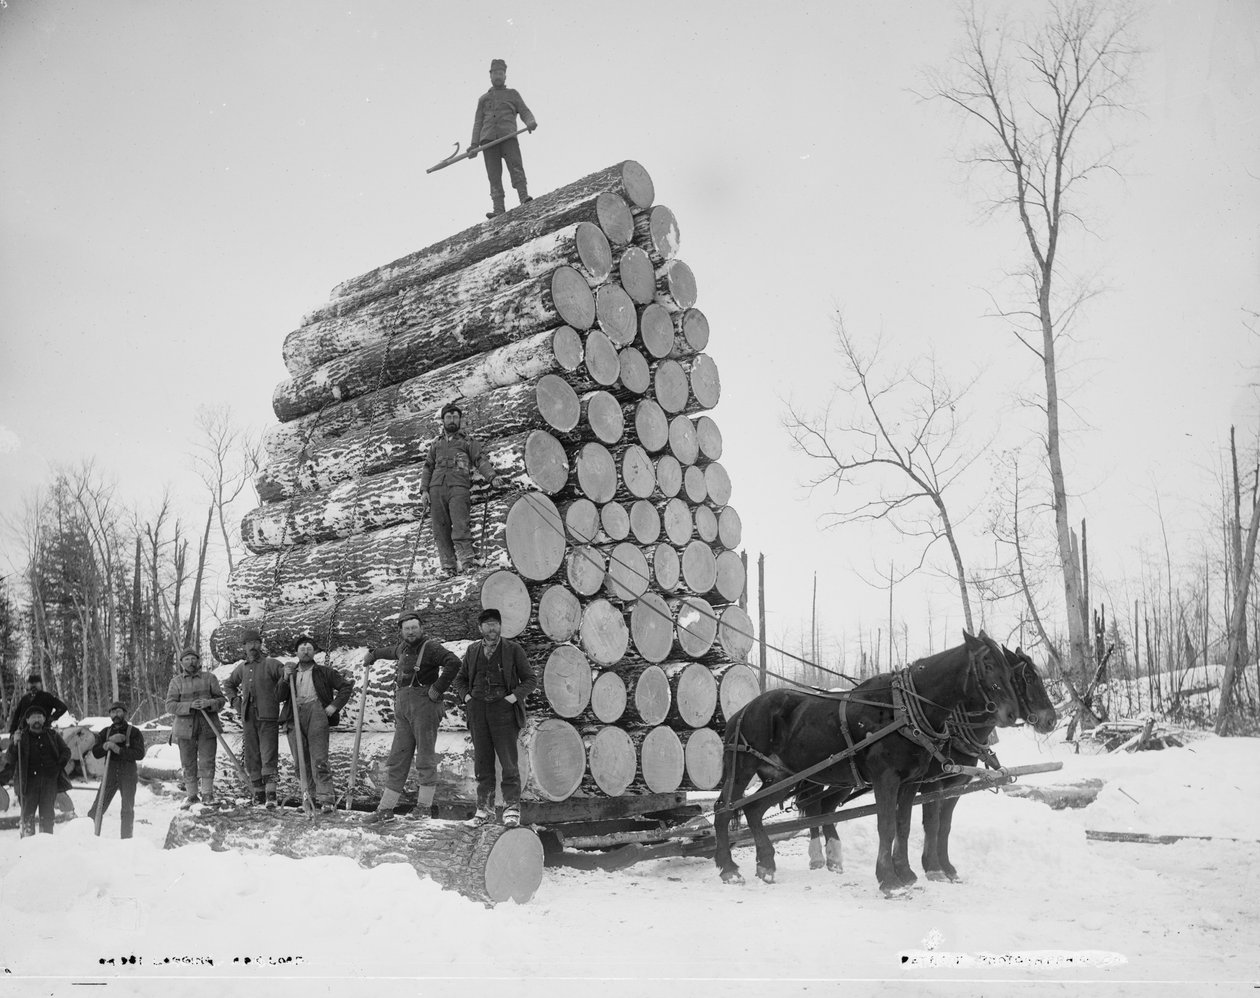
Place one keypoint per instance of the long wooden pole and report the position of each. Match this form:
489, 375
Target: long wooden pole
308, 805
761, 618
358, 733
100, 797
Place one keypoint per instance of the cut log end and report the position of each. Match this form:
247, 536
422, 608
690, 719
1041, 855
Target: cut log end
545, 461
559, 613
566, 680
627, 577
702, 757
615, 521
601, 360
566, 347
637, 275
608, 697
633, 373
557, 402
557, 758
708, 438
652, 628
637, 185
596, 472
602, 414
593, 251
616, 314
604, 635
615, 219
656, 331
735, 632
613, 761
572, 298
661, 760
651, 426
514, 865
730, 528
505, 591
535, 537
669, 386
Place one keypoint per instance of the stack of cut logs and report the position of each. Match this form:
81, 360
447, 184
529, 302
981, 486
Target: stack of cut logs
568, 332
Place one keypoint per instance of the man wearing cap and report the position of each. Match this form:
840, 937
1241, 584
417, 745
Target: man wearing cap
423, 671
496, 118
251, 690
493, 681
446, 482
122, 745
195, 699
321, 693
36, 696
34, 760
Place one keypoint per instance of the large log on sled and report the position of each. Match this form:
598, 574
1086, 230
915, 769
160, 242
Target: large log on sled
488, 864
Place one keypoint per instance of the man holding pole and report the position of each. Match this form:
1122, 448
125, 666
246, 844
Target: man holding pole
121, 745
496, 120
320, 691
251, 689
34, 760
424, 670
195, 699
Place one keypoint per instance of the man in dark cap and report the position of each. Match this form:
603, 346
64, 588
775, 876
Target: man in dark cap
496, 117
446, 483
423, 671
321, 693
195, 699
122, 746
34, 760
251, 690
35, 695
493, 681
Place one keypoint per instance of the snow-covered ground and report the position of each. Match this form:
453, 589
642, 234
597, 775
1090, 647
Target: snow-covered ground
1041, 909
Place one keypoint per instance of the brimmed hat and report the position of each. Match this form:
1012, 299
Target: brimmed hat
190, 651
489, 613
32, 710
305, 639
118, 705
497, 64
35, 677
251, 635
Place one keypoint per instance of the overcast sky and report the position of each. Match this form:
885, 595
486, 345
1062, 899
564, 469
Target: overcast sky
183, 181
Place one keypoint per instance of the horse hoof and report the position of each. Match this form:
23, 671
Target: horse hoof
937, 875
896, 893
732, 877
766, 875
817, 864
836, 867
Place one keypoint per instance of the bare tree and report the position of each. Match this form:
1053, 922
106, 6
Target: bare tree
226, 458
1244, 566
1040, 100
895, 438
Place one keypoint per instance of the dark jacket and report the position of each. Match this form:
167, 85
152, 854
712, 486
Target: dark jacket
331, 687
518, 674
131, 750
44, 757
251, 689
180, 695
53, 707
496, 115
450, 462
432, 665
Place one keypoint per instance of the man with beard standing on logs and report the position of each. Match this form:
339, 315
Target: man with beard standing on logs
321, 693
122, 746
493, 681
195, 699
424, 670
496, 115
34, 761
251, 689
36, 696
446, 482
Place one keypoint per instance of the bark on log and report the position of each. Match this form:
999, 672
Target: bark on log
706, 524
637, 275
548, 404
608, 697
651, 426
613, 761
669, 476
670, 386
506, 592
603, 632
647, 694
730, 528
566, 681
596, 472
652, 628
731, 576
535, 537
558, 350
488, 864
559, 613
603, 366
582, 246
702, 759
557, 757
699, 568
661, 762
628, 575
691, 332
677, 519
717, 483
656, 331
531, 459
585, 569
359, 564
606, 197
684, 444
737, 684
615, 314
615, 521
708, 438
703, 380
735, 632
560, 298
694, 694
638, 473
666, 567
675, 286
695, 487
634, 376
656, 232
645, 522
602, 414
695, 626
581, 521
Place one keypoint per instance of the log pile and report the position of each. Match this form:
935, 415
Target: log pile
569, 332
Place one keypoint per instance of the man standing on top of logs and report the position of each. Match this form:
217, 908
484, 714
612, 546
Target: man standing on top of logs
34, 760
251, 689
123, 745
424, 671
493, 681
35, 696
496, 115
321, 693
195, 699
446, 482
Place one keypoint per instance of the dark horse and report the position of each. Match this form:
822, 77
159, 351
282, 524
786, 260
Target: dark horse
966, 749
783, 733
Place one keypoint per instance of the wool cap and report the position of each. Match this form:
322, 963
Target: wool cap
409, 615
118, 705
450, 407
251, 635
497, 64
190, 651
489, 613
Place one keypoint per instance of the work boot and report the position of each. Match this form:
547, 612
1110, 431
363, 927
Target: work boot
469, 565
327, 807
512, 815
269, 799
497, 209
449, 571
524, 195
482, 817
260, 797
194, 799
380, 817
